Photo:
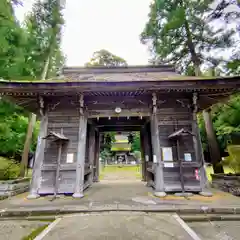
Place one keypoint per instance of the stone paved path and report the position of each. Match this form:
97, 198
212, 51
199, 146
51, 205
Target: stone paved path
220, 230
119, 194
118, 226
17, 229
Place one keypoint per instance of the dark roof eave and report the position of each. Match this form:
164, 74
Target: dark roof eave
184, 84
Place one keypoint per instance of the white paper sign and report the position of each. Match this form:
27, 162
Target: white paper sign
167, 154
154, 159
168, 164
147, 158
187, 157
70, 158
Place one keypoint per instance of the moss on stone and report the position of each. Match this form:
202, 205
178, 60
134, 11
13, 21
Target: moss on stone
35, 233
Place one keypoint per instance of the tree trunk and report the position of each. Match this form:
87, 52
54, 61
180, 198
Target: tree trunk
195, 59
212, 143
27, 144
45, 69
31, 125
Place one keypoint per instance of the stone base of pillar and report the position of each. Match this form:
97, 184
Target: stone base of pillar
206, 193
33, 196
185, 194
160, 194
149, 184
78, 195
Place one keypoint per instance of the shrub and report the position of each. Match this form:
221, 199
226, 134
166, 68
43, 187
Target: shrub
233, 160
9, 169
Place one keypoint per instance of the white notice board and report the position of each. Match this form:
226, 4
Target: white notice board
70, 157
167, 154
187, 157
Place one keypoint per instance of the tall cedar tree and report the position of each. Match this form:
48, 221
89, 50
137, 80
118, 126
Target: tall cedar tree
12, 42
105, 58
228, 11
44, 26
178, 34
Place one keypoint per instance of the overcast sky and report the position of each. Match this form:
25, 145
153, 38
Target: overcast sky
91, 25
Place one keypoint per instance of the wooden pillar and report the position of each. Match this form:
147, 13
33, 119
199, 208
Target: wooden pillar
82, 134
97, 153
212, 142
199, 150
157, 157
91, 153
143, 152
39, 154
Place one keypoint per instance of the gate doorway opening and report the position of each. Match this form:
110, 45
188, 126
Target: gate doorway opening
121, 151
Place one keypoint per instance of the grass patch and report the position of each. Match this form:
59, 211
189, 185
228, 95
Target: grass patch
134, 170
35, 233
209, 171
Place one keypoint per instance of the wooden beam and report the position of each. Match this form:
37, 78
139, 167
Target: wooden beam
134, 121
120, 129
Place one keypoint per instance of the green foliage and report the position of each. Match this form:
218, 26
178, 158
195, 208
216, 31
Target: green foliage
105, 58
233, 160
24, 52
13, 128
136, 145
12, 43
137, 155
226, 121
178, 34
43, 27
105, 154
9, 169
33, 235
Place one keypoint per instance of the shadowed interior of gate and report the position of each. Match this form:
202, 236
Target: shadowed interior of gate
121, 163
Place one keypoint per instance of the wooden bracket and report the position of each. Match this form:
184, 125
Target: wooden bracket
41, 104
154, 102
81, 104
195, 106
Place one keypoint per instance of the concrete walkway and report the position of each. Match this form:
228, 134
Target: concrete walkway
119, 226
120, 196
120, 190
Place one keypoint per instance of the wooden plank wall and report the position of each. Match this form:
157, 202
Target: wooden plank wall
68, 120
170, 120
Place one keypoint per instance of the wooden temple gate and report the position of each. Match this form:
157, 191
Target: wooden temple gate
84, 102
